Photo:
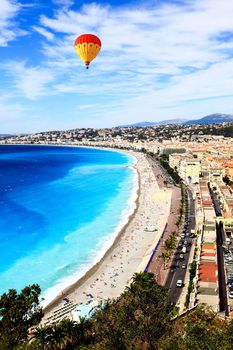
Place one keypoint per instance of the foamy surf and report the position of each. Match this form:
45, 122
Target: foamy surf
100, 250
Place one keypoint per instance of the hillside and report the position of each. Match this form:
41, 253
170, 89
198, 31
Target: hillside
216, 118
163, 122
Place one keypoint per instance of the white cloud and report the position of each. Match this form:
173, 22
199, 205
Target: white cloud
32, 82
157, 61
64, 3
164, 38
45, 33
9, 30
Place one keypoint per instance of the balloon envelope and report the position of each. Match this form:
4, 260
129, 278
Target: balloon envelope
87, 46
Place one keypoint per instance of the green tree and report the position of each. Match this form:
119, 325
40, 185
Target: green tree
170, 243
165, 256
136, 320
18, 312
57, 337
84, 330
200, 329
40, 335
71, 332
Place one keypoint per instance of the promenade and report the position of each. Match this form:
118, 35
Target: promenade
156, 264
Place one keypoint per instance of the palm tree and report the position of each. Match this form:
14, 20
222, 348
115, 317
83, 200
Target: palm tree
144, 277
141, 280
57, 337
70, 329
41, 335
82, 327
165, 256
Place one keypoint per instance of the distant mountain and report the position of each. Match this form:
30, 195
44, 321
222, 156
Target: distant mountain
3, 136
163, 122
172, 121
216, 118
139, 125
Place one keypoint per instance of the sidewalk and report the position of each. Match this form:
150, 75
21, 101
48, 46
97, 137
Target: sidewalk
156, 264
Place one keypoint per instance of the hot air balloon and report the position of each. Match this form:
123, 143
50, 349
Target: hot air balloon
87, 46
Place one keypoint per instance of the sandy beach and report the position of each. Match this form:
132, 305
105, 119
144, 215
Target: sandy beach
131, 249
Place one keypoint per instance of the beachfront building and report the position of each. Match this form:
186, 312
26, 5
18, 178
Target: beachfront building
199, 210
187, 167
175, 158
189, 170
207, 271
170, 150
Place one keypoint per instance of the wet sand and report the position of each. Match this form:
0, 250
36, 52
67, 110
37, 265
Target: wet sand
130, 251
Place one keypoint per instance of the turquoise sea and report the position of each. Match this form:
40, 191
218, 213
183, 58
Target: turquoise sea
61, 208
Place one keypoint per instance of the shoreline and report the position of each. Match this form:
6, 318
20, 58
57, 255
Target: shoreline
62, 287
69, 289
131, 248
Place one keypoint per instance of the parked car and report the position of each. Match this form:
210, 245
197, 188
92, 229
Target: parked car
230, 294
183, 266
179, 283
184, 249
173, 266
181, 256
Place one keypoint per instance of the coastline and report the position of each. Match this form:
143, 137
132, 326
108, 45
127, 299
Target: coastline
83, 245
117, 237
64, 286
131, 248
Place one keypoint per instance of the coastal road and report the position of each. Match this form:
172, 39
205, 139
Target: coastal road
160, 173
179, 264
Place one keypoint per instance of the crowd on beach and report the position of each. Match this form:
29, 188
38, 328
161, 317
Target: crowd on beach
132, 248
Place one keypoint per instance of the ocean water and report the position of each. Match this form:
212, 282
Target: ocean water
60, 209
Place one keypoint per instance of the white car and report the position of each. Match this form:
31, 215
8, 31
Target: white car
179, 283
228, 258
184, 250
230, 294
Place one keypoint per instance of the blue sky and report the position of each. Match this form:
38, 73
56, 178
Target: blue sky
160, 60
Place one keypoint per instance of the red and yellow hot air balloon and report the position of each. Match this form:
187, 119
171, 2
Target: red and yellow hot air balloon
87, 46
